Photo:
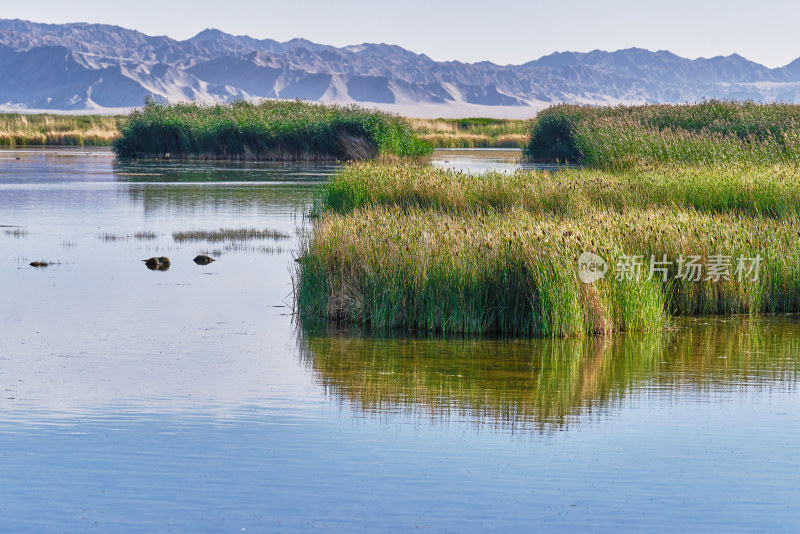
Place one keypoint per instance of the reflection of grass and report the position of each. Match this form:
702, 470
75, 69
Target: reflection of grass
551, 382
222, 196
15, 232
243, 247
230, 234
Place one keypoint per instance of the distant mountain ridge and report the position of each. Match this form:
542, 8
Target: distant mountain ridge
100, 67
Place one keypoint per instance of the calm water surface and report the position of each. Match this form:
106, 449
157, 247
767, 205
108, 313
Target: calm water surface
190, 401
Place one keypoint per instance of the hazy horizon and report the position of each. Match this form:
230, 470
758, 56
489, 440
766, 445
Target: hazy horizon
465, 31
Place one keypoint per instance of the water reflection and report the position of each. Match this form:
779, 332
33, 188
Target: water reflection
149, 402
200, 171
483, 160
554, 383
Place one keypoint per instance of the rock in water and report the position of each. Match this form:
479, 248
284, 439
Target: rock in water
39, 264
160, 263
202, 259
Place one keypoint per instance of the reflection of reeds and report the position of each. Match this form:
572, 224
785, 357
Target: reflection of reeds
15, 232
211, 252
243, 247
146, 235
229, 234
550, 383
222, 196
112, 237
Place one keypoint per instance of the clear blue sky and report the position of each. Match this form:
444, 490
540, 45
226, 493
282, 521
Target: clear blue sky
502, 31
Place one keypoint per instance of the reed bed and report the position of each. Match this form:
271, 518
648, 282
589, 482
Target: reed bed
269, 130
712, 132
514, 272
229, 234
715, 184
472, 132
145, 235
417, 248
17, 129
772, 191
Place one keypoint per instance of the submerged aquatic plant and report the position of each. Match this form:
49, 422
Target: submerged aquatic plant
229, 234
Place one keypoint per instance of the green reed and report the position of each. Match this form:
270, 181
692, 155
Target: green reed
517, 273
267, 130
712, 132
772, 191
417, 248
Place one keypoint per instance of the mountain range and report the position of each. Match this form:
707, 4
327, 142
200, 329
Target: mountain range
102, 68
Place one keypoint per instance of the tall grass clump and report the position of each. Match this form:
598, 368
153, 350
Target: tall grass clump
17, 129
746, 189
712, 132
472, 132
517, 273
270, 130
489, 273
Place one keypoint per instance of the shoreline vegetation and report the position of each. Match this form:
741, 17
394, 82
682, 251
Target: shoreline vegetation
709, 133
420, 249
20, 130
473, 132
270, 130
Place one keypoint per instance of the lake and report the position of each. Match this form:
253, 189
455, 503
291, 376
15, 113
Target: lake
193, 400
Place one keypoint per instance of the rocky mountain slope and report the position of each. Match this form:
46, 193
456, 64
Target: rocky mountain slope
99, 67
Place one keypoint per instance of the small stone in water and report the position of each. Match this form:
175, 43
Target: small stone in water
160, 263
202, 259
